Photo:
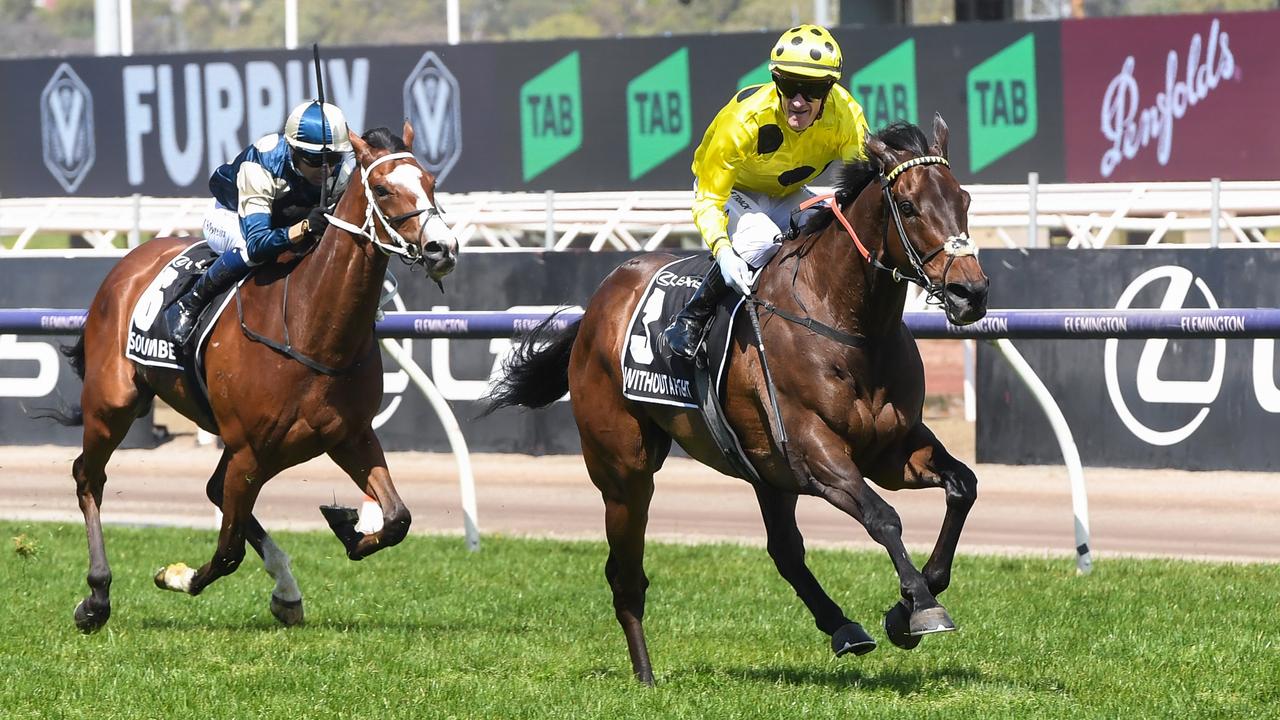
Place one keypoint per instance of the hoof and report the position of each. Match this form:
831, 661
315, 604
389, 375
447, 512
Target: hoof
342, 521
932, 620
288, 612
852, 638
897, 626
91, 619
176, 577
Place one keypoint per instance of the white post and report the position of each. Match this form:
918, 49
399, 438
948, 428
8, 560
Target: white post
291, 24
970, 391
452, 23
1033, 194
549, 232
1215, 211
135, 234
457, 442
126, 27
821, 13
106, 27
1070, 455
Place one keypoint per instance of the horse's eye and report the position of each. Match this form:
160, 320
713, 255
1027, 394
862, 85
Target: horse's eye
381, 190
907, 209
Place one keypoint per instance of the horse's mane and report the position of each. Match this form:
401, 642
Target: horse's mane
854, 177
384, 139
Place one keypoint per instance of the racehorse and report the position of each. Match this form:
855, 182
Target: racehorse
849, 394
274, 407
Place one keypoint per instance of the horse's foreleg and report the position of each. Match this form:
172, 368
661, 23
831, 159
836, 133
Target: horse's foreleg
839, 481
361, 458
286, 598
929, 465
242, 481
786, 547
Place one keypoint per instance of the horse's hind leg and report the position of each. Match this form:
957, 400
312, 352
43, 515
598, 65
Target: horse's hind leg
361, 457
621, 463
929, 465
786, 547
242, 481
110, 405
286, 598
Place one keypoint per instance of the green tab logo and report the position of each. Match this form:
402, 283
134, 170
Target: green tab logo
658, 116
550, 116
1002, 103
886, 87
758, 75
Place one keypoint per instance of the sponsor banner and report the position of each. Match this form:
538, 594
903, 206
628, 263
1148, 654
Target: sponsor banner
578, 115
1197, 404
1181, 97
33, 374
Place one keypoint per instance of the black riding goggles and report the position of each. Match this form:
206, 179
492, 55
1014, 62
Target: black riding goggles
332, 159
811, 90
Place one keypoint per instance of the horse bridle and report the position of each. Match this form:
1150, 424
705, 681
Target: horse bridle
955, 245
409, 253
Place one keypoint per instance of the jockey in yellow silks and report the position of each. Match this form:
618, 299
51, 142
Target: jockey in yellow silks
754, 160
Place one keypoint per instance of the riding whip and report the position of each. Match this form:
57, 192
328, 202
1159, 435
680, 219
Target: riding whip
324, 128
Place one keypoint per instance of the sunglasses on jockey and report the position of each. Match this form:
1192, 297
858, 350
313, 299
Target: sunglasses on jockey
334, 159
810, 89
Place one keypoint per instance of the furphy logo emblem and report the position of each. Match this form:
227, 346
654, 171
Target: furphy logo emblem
1131, 128
433, 103
66, 127
1202, 393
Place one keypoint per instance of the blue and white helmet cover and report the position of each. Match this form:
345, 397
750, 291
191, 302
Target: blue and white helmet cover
313, 130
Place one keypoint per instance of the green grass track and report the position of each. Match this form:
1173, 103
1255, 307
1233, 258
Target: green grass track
525, 629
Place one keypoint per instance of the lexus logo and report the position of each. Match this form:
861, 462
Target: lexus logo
1150, 387
66, 127
433, 105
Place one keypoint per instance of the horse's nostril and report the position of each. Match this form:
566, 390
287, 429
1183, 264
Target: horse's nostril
974, 293
433, 250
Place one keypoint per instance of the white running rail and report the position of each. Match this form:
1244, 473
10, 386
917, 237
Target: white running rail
1082, 215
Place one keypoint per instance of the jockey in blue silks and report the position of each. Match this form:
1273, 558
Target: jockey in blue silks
267, 200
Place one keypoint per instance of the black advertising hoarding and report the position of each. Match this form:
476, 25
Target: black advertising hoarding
565, 115
33, 374
1180, 97
1189, 404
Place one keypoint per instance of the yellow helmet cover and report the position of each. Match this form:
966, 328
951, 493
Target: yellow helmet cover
806, 51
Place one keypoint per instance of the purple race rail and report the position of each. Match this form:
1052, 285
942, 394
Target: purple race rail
1013, 324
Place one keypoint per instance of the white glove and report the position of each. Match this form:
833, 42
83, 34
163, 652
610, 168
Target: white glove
735, 270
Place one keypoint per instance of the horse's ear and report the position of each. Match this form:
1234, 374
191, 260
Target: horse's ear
363, 156
879, 154
940, 134
407, 136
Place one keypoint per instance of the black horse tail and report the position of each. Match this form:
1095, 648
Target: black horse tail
536, 374
69, 415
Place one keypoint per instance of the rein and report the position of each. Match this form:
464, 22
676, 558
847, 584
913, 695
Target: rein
955, 246
408, 252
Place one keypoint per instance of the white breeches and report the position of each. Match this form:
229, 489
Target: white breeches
756, 220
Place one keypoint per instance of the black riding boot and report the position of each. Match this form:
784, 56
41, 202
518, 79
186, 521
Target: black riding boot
225, 272
684, 334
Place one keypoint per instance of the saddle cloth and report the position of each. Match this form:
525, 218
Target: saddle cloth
150, 337
651, 374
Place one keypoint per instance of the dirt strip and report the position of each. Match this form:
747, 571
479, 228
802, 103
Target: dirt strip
1222, 515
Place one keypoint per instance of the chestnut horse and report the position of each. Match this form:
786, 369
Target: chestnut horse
274, 408
849, 388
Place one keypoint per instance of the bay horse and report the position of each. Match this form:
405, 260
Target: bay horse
849, 389
274, 408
